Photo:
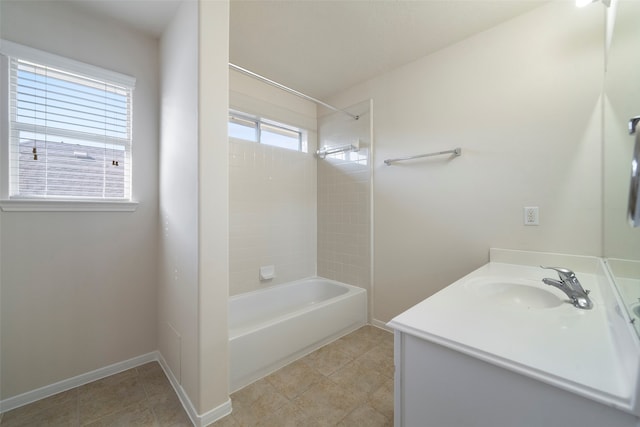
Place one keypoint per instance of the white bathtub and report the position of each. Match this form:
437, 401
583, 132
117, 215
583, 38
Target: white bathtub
272, 327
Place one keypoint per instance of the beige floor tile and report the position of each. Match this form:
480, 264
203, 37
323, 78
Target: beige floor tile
387, 345
379, 359
327, 402
65, 413
108, 381
109, 395
289, 415
327, 360
157, 387
228, 421
66, 403
150, 369
356, 343
252, 392
294, 379
353, 348
161, 395
360, 376
135, 415
382, 399
48, 402
371, 332
170, 413
365, 416
256, 402
347, 383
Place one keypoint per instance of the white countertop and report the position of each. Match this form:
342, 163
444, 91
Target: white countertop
561, 345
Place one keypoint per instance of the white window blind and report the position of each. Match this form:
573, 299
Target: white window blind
69, 136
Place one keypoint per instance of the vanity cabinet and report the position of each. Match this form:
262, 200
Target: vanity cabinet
500, 348
440, 387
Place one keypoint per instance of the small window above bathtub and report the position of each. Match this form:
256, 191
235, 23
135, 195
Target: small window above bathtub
257, 129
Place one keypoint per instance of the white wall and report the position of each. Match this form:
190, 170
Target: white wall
178, 260
213, 166
272, 192
523, 101
78, 289
193, 285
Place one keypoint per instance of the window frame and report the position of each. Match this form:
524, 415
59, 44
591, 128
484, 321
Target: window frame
260, 122
9, 203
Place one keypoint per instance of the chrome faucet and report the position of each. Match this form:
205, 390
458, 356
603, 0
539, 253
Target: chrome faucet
570, 285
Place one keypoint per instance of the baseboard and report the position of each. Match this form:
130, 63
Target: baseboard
380, 324
215, 414
64, 385
198, 420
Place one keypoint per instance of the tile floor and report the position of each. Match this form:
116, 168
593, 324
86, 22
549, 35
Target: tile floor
141, 396
348, 382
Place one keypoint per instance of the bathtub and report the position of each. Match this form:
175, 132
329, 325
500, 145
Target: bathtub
272, 327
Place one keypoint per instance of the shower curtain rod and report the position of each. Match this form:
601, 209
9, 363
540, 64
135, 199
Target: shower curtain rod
288, 89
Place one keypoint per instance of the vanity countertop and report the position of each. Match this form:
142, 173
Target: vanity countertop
545, 338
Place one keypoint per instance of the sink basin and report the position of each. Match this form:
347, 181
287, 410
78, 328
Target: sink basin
519, 294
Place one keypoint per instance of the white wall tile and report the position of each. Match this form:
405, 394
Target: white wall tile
344, 210
272, 215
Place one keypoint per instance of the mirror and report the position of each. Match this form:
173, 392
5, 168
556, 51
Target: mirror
621, 102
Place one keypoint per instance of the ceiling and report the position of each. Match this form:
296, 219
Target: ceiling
321, 47
148, 16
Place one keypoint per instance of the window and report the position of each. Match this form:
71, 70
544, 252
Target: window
263, 131
69, 129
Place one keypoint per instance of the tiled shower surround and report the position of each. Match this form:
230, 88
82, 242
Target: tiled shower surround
344, 199
272, 214
304, 215
343, 222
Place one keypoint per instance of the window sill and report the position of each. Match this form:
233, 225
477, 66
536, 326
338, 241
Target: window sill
66, 206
